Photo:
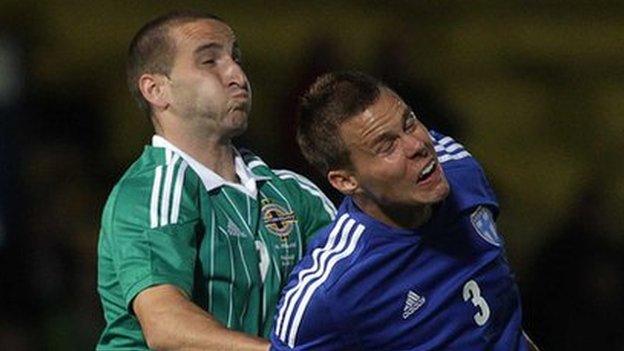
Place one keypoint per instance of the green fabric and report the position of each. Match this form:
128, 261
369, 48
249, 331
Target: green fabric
161, 226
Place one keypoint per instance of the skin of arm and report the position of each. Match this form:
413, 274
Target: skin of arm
170, 321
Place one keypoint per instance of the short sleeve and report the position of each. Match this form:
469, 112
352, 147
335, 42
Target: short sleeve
315, 329
150, 245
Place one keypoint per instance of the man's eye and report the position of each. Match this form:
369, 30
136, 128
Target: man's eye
387, 146
208, 62
410, 122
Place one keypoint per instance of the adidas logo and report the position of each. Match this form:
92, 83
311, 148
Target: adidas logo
412, 303
233, 230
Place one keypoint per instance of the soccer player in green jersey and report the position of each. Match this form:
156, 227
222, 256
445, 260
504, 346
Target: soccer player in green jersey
198, 237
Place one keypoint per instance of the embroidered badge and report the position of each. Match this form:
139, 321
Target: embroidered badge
483, 222
276, 219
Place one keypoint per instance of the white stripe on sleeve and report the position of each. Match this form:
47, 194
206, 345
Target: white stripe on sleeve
155, 196
309, 279
164, 202
353, 240
457, 156
292, 295
177, 192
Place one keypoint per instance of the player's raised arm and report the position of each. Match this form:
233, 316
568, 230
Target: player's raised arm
171, 322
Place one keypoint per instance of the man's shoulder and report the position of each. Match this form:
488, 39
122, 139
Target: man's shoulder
154, 181
470, 186
451, 153
337, 249
297, 185
257, 166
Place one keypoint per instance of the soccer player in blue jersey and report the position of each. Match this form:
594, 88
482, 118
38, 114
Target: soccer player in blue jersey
413, 260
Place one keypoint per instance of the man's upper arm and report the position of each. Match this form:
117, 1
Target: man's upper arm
151, 245
314, 327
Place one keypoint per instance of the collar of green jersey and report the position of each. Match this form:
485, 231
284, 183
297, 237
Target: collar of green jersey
211, 179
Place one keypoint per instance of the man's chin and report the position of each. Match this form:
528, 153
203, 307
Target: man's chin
237, 124
441, 192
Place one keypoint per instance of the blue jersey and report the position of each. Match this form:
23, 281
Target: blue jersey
446, 285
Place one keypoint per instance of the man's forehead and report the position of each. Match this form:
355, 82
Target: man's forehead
202, 29
373, 121
386, 104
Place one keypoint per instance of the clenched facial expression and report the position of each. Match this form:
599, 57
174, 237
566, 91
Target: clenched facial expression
207, 82
393, 158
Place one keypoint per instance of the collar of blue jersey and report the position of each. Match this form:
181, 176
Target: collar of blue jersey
375, 226
211, 179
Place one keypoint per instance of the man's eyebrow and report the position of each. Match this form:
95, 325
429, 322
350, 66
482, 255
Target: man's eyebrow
206, 47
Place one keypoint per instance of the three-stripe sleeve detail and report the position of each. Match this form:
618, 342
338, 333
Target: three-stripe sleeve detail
341, 243
177, 192
166, 196
448, 149
166, 193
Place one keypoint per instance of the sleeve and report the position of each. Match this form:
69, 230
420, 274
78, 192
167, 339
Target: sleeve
314, 329
153, 227
317, 210
465, 175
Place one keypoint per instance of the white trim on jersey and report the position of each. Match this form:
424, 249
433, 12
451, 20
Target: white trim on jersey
256, 163
209, 178
445, 140
154, 198
293, 293
166, 195
448, 149
457, 156
324, 259
324, 274
310, 187
177, 192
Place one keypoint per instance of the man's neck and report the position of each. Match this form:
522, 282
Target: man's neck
395, 216
211, 151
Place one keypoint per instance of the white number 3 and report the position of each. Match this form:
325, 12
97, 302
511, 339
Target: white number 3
472, 292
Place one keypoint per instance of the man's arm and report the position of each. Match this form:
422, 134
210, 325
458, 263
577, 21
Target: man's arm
170, 321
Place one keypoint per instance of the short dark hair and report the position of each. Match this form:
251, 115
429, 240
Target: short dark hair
152, 50
330, 101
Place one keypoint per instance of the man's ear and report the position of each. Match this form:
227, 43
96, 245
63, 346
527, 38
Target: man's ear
153, 87
343, 180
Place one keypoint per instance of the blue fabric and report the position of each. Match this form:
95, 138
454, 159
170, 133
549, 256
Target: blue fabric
443, 286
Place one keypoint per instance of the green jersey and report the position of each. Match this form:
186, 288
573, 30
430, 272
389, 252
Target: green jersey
230, 247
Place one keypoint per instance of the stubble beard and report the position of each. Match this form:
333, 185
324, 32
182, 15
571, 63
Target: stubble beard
234, 119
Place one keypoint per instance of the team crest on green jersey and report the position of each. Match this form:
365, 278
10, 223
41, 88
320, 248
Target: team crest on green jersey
276, 219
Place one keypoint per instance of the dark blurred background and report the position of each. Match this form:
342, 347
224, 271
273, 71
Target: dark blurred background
535, 89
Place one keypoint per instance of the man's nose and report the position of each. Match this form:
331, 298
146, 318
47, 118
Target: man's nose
234, 75
413, 146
